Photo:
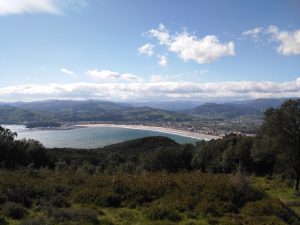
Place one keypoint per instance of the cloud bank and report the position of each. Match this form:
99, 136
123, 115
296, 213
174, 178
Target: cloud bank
155, 89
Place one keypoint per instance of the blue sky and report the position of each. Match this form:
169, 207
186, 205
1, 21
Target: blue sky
149, 50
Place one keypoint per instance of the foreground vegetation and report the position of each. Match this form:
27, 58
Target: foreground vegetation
235, 180
65, 197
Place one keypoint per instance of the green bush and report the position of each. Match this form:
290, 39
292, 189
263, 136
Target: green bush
243, 191
14, 210
264, 220
3, 220
37, 221
109, 200
215, 208
53, 202
105, 221
79, 215
231, 220
212, 221
192, 215
268, 207
20, 194
161, 212
127, 216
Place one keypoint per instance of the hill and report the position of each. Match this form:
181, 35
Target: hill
139, 145
13, 115
60, 111
176, 105
74, 111
126, 149
254, 108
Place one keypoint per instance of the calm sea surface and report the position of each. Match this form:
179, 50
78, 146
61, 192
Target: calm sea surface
89, 137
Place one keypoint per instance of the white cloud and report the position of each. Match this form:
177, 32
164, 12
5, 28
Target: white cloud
156, 78
103, 74
146, 49
253, 33
27, 6
200, 72
162, 34
163, 60
289, 42
130, 77
190, 47
112, 76
205, 50
152, 90
66, 71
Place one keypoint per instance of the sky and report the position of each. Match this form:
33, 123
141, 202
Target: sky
133, 50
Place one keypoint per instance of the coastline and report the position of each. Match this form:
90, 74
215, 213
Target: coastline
173, 131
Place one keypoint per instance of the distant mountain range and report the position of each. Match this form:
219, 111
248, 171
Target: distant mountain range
176, 105
254, 108
91, 110
94, 110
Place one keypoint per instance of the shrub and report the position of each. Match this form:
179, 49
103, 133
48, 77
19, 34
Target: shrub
105, 221
2, 198
80, 215
3, 220
230, 220
268, 207
243, 191
127, 216
161, 212
213, 221
265, 220
192, 215
14, 210
109, 200
20, 194
60, 202
37, 221
53, 202
215, 208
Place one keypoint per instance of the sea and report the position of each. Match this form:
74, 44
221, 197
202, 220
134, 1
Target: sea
89, 137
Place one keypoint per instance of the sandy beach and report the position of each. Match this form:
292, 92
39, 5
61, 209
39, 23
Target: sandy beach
189, 134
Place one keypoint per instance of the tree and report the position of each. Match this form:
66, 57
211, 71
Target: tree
6, 135
7, 139
281, 129
35, 152
229, 154
20, 152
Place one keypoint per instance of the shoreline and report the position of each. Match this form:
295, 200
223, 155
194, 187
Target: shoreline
173, 131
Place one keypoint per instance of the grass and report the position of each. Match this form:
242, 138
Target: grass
279, 190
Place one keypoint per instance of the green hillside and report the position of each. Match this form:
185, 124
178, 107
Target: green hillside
74, 111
